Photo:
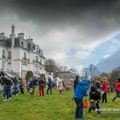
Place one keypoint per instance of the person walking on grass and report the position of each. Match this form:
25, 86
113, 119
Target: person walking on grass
21, 86
76, 81
80, 91
61, 86
117, 89
41, 84
32, 86
94, 98
8, 83
49, 84
105, 89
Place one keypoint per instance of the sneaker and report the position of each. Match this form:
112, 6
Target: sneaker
5, 100
9, 99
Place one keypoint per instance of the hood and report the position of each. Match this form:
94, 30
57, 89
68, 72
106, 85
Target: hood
84, 83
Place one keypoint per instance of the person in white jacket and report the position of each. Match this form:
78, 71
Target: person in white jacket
61, 87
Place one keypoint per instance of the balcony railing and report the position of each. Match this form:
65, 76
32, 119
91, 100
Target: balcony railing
25, 59
36, 61
9, 57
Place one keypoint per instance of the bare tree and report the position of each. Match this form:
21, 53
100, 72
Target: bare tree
92, 70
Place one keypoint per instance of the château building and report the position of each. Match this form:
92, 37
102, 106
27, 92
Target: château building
19, 55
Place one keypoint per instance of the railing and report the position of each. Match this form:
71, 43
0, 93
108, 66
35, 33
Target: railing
25, 59
36, 61
9, 57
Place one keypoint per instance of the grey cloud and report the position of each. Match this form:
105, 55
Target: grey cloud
74, 23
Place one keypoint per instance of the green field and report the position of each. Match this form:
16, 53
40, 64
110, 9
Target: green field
52, 107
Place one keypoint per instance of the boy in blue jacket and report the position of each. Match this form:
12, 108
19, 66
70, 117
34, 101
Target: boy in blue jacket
79, 93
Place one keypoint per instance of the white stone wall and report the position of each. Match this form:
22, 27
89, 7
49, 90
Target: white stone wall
18, 66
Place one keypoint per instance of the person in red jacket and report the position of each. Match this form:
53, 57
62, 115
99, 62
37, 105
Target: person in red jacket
105, 89
117, 89
41, 86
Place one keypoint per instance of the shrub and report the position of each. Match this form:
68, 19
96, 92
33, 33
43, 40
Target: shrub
28, 75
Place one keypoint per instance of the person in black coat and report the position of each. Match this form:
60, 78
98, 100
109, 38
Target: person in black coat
94, 98
8, 83
49, 84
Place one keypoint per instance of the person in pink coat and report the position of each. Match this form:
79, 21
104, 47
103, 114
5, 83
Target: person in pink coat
61, 87
105, 89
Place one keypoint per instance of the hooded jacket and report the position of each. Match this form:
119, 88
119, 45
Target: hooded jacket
81, 89
117, 86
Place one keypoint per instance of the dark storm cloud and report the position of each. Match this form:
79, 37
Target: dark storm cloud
74, 23
63, 10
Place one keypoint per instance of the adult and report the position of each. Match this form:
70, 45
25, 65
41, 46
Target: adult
76, 81
81, 90
117, 89
105, 89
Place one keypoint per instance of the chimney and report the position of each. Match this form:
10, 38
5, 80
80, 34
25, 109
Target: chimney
12, 46
21, 35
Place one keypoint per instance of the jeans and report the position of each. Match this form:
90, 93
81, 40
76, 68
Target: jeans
50, 90
79, 108
104, 97
117, 95
7, 92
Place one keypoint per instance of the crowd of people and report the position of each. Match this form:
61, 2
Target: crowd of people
15, 85
96, 92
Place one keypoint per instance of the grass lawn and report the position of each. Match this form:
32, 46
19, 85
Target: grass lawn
52, 107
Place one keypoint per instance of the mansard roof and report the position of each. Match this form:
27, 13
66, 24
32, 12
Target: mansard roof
27, 44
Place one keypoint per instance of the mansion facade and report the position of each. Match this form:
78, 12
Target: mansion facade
19, 55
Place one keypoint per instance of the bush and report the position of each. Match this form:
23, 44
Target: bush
29, 74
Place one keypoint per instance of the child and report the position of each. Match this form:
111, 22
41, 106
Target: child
8, 83
61, 87
94, 97
117, 89
41, 86
32, 86
16, 86
49, 86
21, 86
79, 93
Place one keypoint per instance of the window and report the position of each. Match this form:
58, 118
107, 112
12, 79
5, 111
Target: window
22, 43
25, 56
3, 65
9, 54
28, 45
3, 53
37, 58
33, 47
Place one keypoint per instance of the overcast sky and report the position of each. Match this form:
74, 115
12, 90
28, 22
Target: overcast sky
73, 32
